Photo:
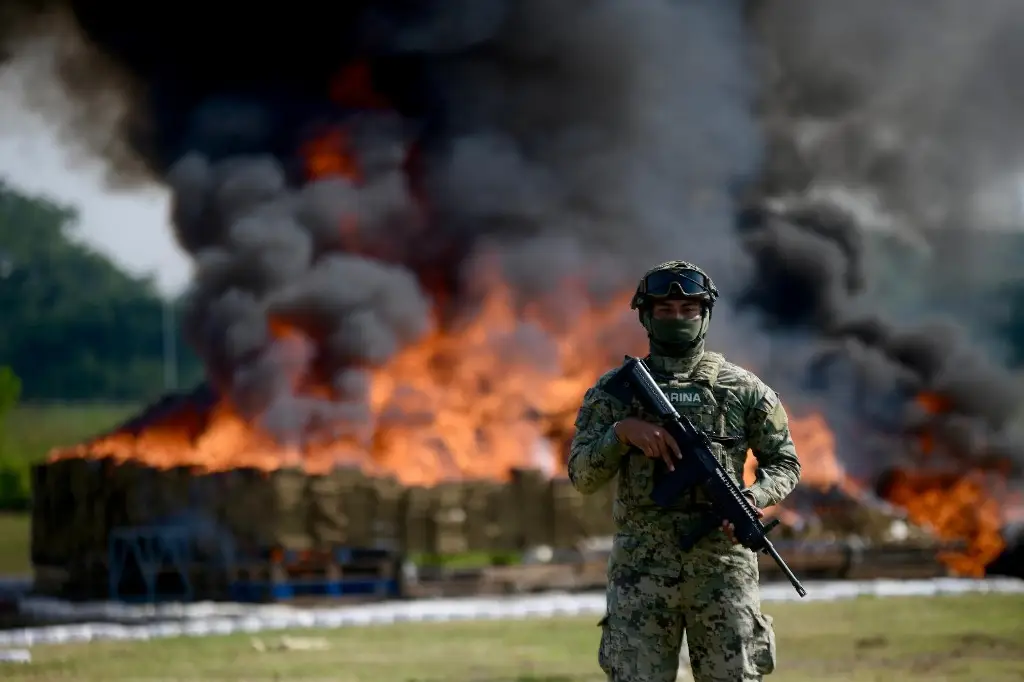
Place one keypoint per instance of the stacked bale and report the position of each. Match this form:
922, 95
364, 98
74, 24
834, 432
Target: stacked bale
534, 514
490, 517
246, 515
577, 517
69, 523
265, 510
416, 516
349, 509
447, 532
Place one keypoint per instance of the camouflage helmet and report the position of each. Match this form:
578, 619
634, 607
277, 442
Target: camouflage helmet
675, 278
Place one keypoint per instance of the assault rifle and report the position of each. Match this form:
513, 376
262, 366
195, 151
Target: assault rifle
699, 467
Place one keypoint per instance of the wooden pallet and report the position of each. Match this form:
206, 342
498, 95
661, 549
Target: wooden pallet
286, 575
825, 560
896, 563
508, 579
368, 574
50, 581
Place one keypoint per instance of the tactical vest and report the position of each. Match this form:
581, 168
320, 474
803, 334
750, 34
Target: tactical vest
707, 407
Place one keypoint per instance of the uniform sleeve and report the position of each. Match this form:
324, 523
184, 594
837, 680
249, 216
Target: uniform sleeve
596, 452
778, 465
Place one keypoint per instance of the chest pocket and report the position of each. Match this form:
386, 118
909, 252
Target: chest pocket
711, 410
730, 435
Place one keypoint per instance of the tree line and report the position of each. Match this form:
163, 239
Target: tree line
74, 326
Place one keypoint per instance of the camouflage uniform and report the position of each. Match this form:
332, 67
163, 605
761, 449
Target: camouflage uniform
655, 590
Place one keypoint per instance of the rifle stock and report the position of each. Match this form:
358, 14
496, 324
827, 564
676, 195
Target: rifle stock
699, 467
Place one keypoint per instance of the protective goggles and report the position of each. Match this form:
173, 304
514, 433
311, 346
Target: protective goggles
675, 282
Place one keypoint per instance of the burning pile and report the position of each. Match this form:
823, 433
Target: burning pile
415, 228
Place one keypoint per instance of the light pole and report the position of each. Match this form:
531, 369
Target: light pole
7, 265
170, 346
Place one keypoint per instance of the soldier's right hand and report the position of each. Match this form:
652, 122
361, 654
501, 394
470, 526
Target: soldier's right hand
653, 440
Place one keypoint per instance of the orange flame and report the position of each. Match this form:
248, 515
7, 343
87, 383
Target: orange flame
472, 401
955, 507
353, 87
330, 154
462, 403
932, 404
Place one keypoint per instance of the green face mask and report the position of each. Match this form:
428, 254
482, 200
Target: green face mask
675, 332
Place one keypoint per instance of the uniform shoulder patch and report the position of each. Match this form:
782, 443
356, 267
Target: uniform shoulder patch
584, 417
777, 418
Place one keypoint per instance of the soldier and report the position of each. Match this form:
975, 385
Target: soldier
655, 590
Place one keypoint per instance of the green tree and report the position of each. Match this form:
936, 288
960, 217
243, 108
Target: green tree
1010, 327
14, 485
10, 390
74, 326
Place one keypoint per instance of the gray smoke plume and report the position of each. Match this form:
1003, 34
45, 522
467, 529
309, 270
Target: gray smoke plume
892, 118
263, 254
913, 102
89, 98
586, 142
571, 145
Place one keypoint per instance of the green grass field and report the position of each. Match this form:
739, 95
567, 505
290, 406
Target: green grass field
28, 433
953, 639
15, 531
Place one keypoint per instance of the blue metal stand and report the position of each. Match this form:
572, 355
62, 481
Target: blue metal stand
155, 550
261, 591
284, 588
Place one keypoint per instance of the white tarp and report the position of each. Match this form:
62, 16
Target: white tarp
140, 622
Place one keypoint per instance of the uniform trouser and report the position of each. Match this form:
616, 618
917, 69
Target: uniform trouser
714, 598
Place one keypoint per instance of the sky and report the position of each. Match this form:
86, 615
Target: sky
129, 226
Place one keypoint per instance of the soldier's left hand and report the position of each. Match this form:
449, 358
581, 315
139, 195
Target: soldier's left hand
731, 531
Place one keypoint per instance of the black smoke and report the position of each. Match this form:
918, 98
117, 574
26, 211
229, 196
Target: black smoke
569, 144
574, 143
891, 170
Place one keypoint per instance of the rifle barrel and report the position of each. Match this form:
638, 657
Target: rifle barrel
777, 558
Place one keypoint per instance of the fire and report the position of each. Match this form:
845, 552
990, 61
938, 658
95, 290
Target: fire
955, 507
495, 390
816, 446
965, 507
971, 506
353, 87
482, 411
931, 404
479, 396
466, 402
330, 154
